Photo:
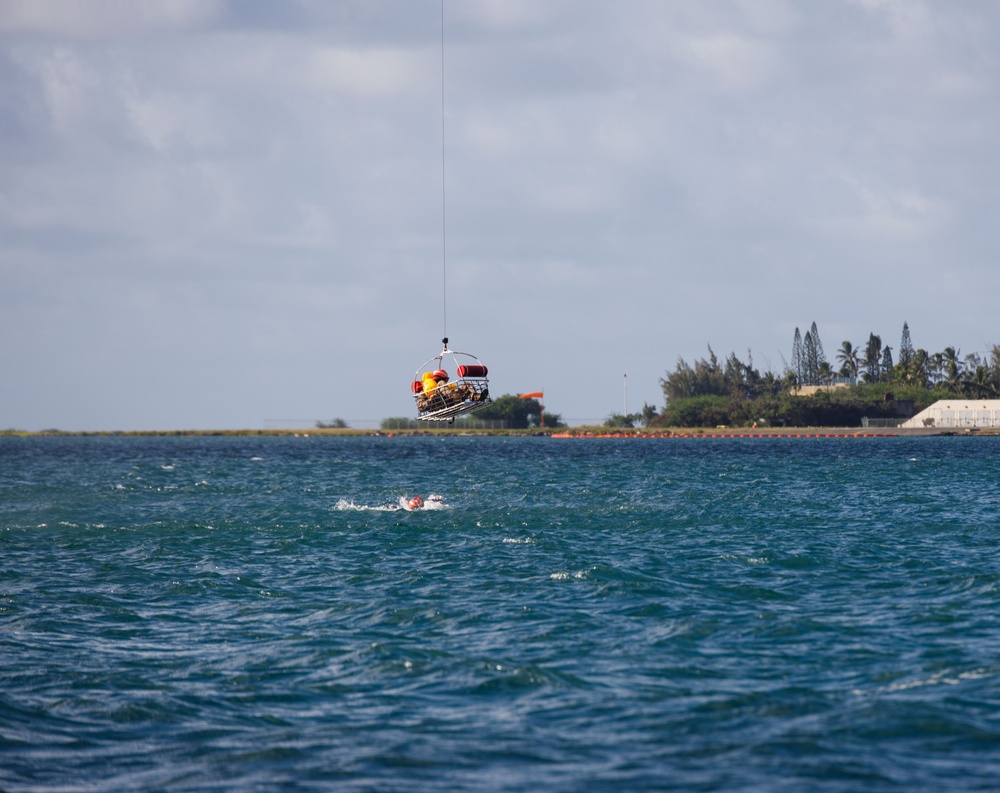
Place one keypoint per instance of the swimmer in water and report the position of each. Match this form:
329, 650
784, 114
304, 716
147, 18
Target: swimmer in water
418, 503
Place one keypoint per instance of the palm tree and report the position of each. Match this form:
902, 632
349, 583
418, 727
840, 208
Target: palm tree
952, 368
919, 369
849, 358
980, 384
936, 366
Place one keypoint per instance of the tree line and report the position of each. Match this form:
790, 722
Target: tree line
972, 375
710, 392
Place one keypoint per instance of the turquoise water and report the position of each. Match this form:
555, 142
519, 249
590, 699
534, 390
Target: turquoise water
257, 614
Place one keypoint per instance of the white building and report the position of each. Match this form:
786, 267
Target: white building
964, 413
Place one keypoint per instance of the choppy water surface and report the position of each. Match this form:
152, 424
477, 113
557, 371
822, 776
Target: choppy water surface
185, 614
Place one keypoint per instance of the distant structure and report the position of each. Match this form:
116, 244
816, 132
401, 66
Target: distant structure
964, 414
831, 385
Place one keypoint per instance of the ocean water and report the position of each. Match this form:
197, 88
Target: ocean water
259, 614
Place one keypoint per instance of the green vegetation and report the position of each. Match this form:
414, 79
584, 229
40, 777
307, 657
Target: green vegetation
710, 393
520, 413
623, 421
506, 412
643, 419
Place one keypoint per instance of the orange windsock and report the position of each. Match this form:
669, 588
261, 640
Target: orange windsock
532, 395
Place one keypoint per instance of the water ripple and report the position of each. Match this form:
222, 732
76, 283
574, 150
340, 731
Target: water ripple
207, 614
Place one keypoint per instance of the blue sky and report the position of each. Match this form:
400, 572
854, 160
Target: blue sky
228, 215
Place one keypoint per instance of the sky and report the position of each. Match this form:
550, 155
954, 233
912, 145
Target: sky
223, 215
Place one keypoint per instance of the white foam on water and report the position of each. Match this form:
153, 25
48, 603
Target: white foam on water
579, 575
941, 678
348, 505
434, 501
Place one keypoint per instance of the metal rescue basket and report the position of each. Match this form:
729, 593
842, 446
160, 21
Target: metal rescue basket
449, 385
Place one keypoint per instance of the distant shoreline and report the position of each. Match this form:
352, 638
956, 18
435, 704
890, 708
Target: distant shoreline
573, 432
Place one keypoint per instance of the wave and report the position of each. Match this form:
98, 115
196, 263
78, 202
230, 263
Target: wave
432, 502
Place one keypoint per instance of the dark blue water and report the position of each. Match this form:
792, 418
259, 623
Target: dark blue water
256, 614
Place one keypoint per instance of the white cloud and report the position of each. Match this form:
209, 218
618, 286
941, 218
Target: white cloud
958, 84
733, 61
377, 72
164, 121
894, 212
107, 18
627, 135
908, 19
508, 15
770, 17
68, 82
